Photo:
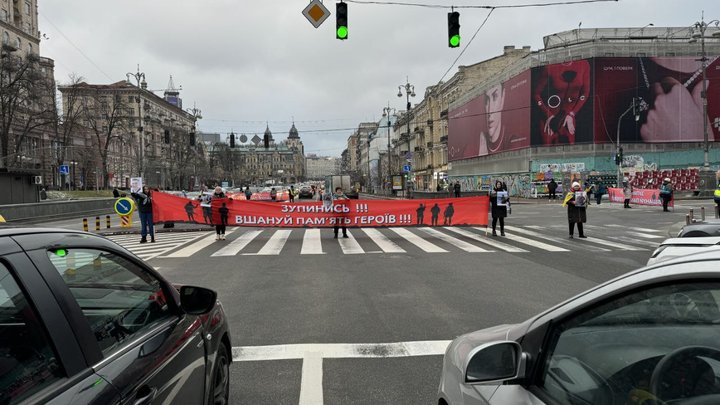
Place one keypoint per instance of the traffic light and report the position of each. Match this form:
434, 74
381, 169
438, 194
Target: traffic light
619, 156
192, 138
266, 141
232, 140
341, 30
167, 136
454, 29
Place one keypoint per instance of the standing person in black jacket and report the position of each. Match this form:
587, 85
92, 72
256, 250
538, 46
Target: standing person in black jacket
220, 228
145, 209
498, 211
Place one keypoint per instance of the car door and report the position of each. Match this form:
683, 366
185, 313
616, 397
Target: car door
40, 360
139, 339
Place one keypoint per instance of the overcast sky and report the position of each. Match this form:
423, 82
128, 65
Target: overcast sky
246, 62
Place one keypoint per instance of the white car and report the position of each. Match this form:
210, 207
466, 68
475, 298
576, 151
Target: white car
651, 336
675, 247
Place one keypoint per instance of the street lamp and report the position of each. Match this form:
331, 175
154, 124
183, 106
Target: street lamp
638, 105
141, 84
386, 113
702, 26
409, 92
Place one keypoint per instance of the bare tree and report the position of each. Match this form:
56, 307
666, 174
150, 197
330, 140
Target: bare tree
68, 113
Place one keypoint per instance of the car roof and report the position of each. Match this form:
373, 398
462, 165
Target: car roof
694, 241
15, 230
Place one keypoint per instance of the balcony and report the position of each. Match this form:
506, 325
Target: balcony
443, 139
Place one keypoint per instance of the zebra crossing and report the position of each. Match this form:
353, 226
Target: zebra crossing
396, 240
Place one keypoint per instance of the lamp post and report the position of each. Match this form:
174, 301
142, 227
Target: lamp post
638, 105
409, 92
386, 113
141, 84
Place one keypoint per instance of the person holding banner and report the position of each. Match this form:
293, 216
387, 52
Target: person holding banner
339, 196
576, 203
145, 209
627, 193
666, 193
219, 228
499, 201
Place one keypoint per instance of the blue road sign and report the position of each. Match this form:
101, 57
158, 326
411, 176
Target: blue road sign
124, 206
406, 168
64, 169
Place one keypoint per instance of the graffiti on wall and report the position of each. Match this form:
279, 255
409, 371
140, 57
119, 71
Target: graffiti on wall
518, 184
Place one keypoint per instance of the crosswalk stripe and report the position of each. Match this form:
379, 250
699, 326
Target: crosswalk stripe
350, 245
635, 228
275, 244
199, 245
550, 238
418, 241
643, 242
541, 245
646, 235
312, 244
238, 244
383, 241
486, 240
612, 244
468, 247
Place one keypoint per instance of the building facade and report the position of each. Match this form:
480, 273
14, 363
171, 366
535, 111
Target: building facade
320, 166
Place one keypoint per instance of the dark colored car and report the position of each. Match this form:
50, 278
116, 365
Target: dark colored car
305, 192
84, 321
709, 227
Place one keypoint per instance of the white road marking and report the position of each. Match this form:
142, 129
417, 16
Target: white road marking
468, 247
418, 241
634, 228
275, 244
647, 243
312, 244
311, 388
486, 240
612, 244
531, 242
340, 350
195, 247
238, 244
646, 235
350, 245
382, 241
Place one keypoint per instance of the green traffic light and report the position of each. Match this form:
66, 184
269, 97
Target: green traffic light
342, 32
455, 40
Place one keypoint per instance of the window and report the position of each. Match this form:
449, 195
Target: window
6, 38
28, 363
3, 15
119, 299
18, 43
27, 7
614, 351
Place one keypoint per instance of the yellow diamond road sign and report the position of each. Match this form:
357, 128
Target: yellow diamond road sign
316, 13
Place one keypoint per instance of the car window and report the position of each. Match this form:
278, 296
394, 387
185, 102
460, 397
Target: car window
118, 298
28, 362
659, 343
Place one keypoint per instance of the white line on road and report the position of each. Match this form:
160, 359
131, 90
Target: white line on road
238, 244
275, 244
468, 247
634, 228
418, 241
646, 235
486, 240
531, 242
612, 244
350, 245
647, 243
382, 241
311, 388
340, 350
312, 244
195, 247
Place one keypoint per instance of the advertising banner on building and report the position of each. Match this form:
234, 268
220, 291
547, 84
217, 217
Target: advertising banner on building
562, 111
639, 197
660, 97
353, 213
495, 121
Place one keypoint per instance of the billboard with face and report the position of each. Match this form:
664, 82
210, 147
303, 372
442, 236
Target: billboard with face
562, 104
655, 99
495, 121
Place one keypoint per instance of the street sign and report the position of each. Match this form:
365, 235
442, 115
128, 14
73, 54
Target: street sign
124, 206
316, 13
64, 169
406, 168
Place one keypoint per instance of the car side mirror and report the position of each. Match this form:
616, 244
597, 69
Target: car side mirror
197, 300
495, 362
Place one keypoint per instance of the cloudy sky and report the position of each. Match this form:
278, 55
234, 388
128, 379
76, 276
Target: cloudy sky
247, 62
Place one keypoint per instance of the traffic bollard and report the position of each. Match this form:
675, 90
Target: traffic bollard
85, 224
687, 219
97, 223
717, 211
692, 216
702, 214
107, 221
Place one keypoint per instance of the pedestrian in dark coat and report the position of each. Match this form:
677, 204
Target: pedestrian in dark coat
457, 189
145, 209
576, 210
666, 193
552, 187
116, 193
498, 211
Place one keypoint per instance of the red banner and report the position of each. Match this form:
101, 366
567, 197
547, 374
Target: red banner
353, 213
640, 196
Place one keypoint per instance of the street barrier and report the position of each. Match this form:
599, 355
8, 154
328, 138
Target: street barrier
702, 213
107, 221
125, 221
85, 224
97, 223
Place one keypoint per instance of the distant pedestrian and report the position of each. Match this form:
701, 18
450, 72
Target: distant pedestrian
627, 194
590, 189
273, 194
448, 214
43, 194
599, 191
116, 193
339, 221
420, 214
248, 193
435, 214
291, 193
552, 188
499, 201
575, 201
666, 193
145, 209
219, 228
456, 188
717, 196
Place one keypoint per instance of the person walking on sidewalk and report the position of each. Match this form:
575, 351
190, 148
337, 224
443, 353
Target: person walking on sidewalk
145, 209
220, 227
456, 188
576, 203
666, 193
552, 187
499, 202
627, 193
338, 195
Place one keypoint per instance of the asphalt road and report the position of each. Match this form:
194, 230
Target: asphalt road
339, 327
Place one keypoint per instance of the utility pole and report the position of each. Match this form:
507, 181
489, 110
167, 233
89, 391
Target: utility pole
141, 85
409, 92
386, 113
